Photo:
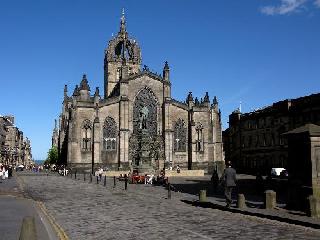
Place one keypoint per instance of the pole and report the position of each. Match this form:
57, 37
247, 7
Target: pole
105, 181
114, 181
125, 183
92, 160
169, 191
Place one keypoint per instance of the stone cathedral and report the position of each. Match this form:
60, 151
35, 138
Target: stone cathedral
135, 123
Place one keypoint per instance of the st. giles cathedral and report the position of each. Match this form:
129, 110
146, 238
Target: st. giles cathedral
135, 123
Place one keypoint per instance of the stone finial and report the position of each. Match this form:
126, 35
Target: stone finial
166, 66
189, 97
65, 91
215, 101
123, 23
206, 98
166, 72
196, 101
96, 94
76, 91
84, 83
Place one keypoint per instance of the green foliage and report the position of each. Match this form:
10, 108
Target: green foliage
52, 155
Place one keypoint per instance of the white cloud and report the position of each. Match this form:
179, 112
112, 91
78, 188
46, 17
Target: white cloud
286, 7
317, 3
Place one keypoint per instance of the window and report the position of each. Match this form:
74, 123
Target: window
199, 141
110, 134
86, 135
180, 136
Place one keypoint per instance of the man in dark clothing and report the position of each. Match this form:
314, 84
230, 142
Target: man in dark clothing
229, 179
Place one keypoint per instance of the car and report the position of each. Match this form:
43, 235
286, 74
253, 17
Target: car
284, 174
275, 172
19, 168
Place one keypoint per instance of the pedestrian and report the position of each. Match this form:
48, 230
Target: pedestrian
229, 179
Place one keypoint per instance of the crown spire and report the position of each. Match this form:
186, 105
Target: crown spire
123, 22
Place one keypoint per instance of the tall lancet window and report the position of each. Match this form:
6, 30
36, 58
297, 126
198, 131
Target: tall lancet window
180, 136
110, 134
199, 138
86, 135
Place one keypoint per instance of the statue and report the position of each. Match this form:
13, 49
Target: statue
143, 115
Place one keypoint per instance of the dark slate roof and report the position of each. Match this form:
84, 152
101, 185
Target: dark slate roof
309, 128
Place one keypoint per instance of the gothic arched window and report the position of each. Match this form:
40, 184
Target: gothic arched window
180, 136
86, 135
110, 134
199, 138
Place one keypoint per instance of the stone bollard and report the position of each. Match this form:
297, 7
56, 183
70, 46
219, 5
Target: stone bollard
203, 196
271, 199
169, 190
241, 203
105, 181
314, 203
28, 229
114, 181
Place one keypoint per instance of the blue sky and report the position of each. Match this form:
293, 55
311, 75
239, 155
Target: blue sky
254, 51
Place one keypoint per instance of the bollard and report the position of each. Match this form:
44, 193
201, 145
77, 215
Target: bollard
203, 196
314, 207
90, 178
28, 229
270, 199
241, 203
84, 176
126, 183
105, 181
97, 179
75, 174
169, 191
114, 181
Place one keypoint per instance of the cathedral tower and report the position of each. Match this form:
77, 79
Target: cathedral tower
121, 51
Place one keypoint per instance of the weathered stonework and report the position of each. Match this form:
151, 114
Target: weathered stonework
137, 100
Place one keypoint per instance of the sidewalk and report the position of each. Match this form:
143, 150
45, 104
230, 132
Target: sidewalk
254, 202
14, 207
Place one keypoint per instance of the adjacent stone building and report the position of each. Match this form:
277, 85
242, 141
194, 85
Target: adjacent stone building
254, 141
14, 148
135, 123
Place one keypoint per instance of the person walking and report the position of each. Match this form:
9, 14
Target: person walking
229, 179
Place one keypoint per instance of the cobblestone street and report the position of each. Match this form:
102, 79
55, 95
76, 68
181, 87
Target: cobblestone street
91, 211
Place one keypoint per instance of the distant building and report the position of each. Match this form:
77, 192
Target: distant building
136, 123
14, 149
254, 141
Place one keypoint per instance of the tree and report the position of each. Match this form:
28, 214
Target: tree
52, 155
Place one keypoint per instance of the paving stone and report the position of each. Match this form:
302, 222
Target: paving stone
90, 211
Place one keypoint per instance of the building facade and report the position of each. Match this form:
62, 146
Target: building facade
255, 142
14, 148
135, 123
